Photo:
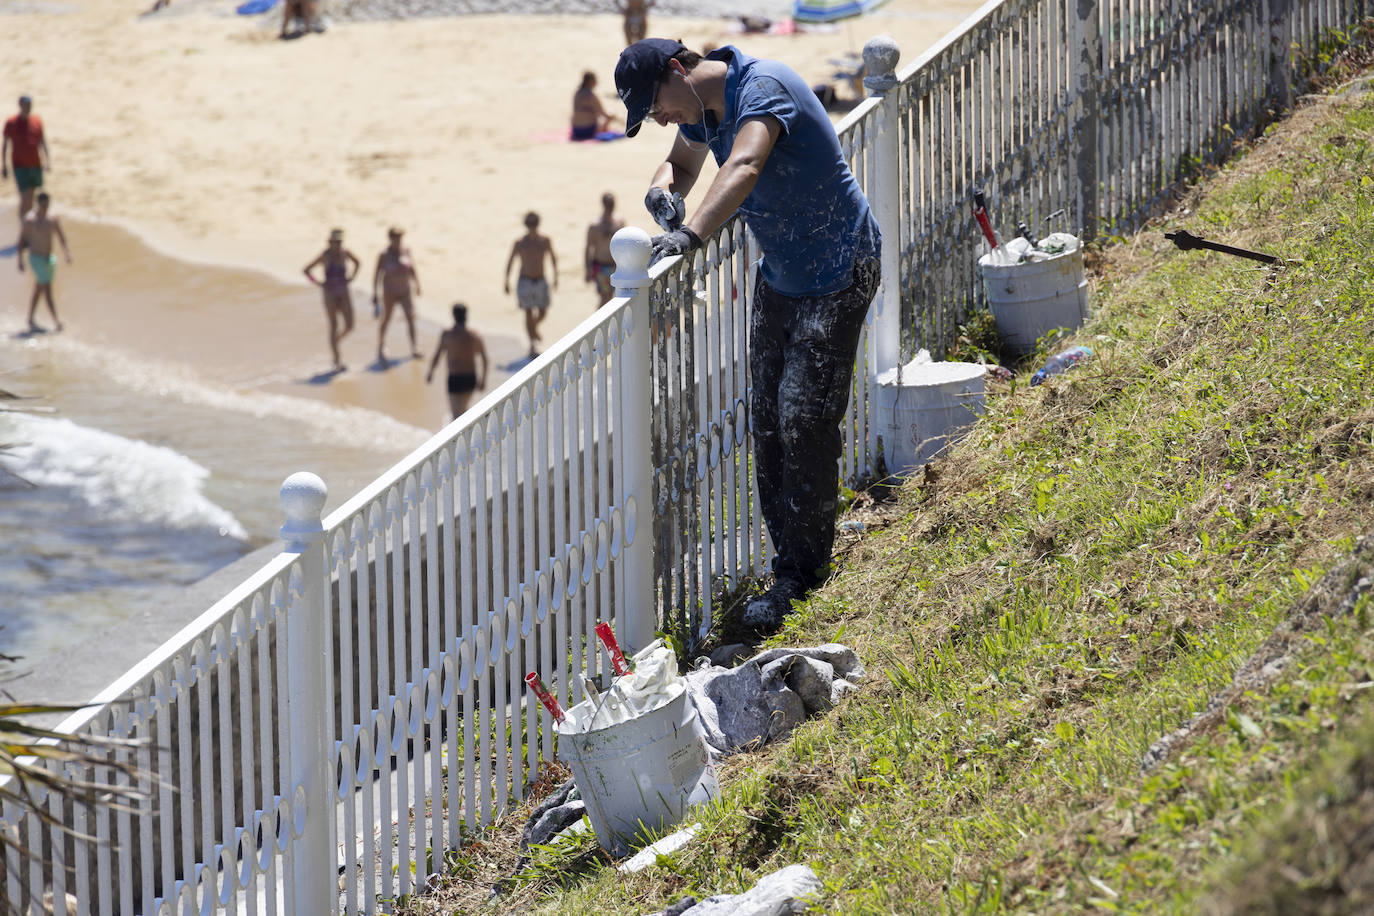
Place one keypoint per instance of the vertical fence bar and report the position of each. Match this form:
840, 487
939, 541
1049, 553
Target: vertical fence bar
312, 777
630, 248
1088, 76
881, 54
1280, 60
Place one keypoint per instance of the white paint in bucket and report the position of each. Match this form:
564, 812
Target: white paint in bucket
639, 776
924, 409
1030, 299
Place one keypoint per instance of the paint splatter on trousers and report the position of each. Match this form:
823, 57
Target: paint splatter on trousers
801, 364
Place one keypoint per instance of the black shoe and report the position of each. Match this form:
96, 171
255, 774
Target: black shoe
767, 611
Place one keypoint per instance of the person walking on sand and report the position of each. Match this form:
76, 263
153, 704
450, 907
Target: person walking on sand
589, 116
36, 234
340, 267
781, 166
600, 264
532, 290
396, 271
636, 14
462, 349
24, 147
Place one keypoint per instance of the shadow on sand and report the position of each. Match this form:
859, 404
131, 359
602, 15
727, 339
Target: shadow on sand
383, 363
31, 332
323, 378
519, 363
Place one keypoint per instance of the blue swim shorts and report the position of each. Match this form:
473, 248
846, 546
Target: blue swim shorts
43, 266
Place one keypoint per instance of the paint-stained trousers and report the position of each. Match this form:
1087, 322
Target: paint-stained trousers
801, 364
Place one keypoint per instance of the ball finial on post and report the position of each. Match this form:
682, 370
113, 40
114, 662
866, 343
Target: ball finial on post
631, 249
302, 500
881, 54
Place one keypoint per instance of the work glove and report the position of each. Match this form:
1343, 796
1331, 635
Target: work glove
679, 241
667, 209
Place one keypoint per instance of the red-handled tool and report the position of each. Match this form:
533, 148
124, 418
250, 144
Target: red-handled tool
545, 697
980, 213
618, 663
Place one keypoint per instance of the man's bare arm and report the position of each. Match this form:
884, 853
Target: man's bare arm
482, 354
47, 157
514, 250
5, 157
20, 245
429, 376
680, 170
348, 256
377, 275
62, 237
553, 259
414, 274
737, 176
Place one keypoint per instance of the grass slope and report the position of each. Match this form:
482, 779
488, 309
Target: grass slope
1091, 566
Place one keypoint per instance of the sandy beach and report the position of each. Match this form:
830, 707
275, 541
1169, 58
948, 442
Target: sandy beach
218, 143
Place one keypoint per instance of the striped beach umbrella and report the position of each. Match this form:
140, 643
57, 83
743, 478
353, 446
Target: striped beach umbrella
830, 10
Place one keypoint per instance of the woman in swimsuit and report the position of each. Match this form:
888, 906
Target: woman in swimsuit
340, 267
636, 14
396, 270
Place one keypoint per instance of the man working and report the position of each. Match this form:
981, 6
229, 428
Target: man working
461, 349
36, 234
396, 271
24, 141
600, 265
782, 168
532, 290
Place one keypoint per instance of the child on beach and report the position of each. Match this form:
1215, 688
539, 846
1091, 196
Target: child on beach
396, 271
340, 267
36, 234
461, 349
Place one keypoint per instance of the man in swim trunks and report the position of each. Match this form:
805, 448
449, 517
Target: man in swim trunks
24, 142
532, 290
396, 270
462, 349
340, 267
36, 234
589, 116
600, 264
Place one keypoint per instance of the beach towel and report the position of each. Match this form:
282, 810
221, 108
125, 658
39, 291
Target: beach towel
254, 7
561, 135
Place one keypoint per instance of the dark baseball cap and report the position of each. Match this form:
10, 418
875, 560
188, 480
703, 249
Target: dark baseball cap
637, 75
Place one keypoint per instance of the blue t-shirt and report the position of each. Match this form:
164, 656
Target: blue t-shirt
806, 210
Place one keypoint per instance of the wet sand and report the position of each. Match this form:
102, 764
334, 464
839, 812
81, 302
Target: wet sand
237, 329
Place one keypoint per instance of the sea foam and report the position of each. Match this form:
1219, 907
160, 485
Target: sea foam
119, 479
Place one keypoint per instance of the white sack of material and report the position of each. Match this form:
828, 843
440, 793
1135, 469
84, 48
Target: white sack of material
785, 892
767, 696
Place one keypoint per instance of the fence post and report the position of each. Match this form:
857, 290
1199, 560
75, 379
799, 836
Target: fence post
1280, 57
314, 872
880, 63
630, 248
1088, 77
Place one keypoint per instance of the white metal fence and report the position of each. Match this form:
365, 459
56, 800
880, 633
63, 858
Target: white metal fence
318, 739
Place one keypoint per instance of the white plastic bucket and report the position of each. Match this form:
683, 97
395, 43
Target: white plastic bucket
932, 405
639, 776
1030, 299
